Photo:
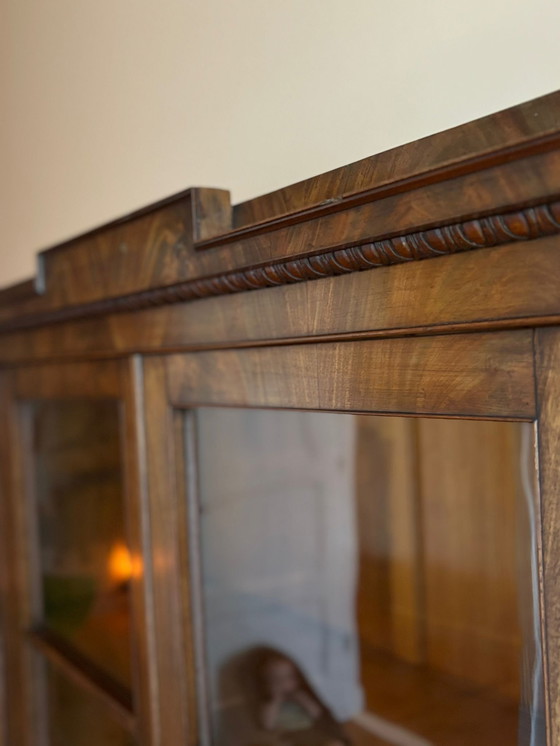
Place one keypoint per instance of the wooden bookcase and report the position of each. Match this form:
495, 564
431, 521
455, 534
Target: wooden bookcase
148, 371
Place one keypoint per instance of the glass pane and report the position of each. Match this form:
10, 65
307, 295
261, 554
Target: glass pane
77, 718
369, 580
84, 560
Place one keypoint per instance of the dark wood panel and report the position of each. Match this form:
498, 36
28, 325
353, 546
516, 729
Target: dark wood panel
136, 251
547, 355
479, 233
5, 554
153, 249
72, 276
85, 676
496, 189
472, 532
172, 675
19, 293
494, 183
469, 375
25, 714
445, 200
146, 687
83, 380
62, 381
488, 289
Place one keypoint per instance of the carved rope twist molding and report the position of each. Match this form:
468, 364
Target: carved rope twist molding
493, 230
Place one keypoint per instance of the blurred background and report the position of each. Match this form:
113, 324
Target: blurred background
109, 105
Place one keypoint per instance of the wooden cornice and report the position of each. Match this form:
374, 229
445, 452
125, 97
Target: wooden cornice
490, 182
521, 130
493, 230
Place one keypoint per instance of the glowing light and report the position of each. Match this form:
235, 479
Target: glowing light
122, 565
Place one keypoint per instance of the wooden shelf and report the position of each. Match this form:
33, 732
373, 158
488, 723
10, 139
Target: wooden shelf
440, 709
85, 675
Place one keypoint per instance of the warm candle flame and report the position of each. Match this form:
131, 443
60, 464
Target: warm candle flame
122, 565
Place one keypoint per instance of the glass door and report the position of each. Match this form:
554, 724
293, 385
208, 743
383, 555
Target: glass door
368, 580
75, 652
84, 564
360, 524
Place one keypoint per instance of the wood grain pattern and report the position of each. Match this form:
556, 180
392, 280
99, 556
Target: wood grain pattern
457, 375
471, 515
482, 201
82, 380
329, 215
389, 590
146, 685
172, 678
519, 225
498, 136
156, 248
108, 379
485, 290
547, 358
499, 189
189, 540
444, 547
24, 695
10, 662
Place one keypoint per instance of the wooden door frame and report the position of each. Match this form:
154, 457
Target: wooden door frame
509, 375
505, 375
113, 380
547, 385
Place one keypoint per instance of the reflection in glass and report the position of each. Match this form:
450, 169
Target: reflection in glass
368, 580
83, 556
77, 718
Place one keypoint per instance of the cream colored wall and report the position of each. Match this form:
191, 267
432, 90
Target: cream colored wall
110, 104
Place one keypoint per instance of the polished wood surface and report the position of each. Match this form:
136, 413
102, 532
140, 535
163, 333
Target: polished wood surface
472, 375
463, 148
388, 604
421, 281
485, 290
439, 709
138, 525
81, 380
25, 715
89, 382
167, 560
472, 508
468, 235
548, 381
444, 598
505, 164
